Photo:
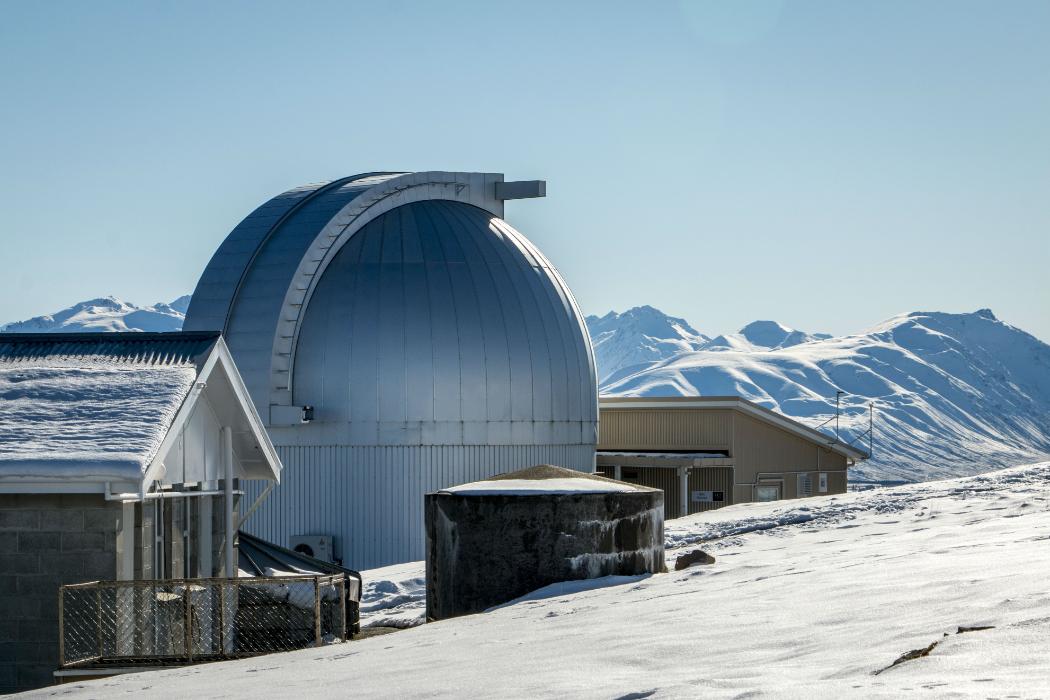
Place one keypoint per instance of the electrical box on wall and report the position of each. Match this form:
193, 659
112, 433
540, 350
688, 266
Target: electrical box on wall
316, 546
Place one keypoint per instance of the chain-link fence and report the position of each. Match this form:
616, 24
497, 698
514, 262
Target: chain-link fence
188, 620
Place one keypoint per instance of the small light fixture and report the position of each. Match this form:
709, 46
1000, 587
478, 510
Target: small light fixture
308, 414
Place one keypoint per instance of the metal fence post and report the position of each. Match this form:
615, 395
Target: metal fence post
222, 619
187, 625
98, 628
317, 610
342, 605
61, 627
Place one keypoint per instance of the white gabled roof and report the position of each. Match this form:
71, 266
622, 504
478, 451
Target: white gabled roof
92, 408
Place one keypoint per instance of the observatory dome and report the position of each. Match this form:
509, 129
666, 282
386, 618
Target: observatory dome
426, 341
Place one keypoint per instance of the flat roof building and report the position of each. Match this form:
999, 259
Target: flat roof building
712, 451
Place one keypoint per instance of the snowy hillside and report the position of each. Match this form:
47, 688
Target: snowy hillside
107, 314
954, 394
806, 599
638, 337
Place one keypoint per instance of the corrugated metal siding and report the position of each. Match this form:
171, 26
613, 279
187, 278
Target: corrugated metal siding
742, 493
830, 461
837, 482
371, 498
760, 447
664, 479
710, 479
667, 429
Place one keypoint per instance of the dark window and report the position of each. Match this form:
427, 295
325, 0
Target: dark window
629, 474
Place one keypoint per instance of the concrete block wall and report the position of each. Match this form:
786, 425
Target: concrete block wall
46, 540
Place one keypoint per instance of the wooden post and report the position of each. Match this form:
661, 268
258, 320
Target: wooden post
317, 610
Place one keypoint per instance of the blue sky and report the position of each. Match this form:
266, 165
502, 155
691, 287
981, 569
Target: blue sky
824, 164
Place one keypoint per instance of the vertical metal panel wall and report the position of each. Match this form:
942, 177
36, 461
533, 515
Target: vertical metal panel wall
665, 480
711, 479
665, 429
371, 498
763, 449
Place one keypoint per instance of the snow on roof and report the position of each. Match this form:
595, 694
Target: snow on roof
662, 455
533, 487
542, 479
93, 407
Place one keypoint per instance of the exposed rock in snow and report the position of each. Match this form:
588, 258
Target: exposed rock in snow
816, 597
107, 314
964, 392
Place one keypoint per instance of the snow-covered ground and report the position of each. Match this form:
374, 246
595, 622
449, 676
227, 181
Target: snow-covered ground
807, 598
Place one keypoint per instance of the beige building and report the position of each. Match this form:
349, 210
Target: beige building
713, 451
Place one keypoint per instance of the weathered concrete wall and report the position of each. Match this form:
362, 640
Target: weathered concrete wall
46, 540
487, 550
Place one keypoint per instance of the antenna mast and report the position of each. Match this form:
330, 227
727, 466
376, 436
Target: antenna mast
871, 428
838, 396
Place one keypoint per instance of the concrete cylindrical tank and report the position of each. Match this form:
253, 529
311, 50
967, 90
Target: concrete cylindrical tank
489, 542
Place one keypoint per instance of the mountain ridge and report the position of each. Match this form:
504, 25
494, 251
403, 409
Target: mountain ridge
106, 314
954, 394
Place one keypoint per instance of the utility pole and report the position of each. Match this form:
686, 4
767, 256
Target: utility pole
838, 395
871, 427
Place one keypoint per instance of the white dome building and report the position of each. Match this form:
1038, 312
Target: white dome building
434, 343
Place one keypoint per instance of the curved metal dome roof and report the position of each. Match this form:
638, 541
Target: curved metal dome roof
406, 311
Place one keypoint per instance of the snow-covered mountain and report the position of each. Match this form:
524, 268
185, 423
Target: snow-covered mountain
762, 335
107, 314
954, 394
639, 337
